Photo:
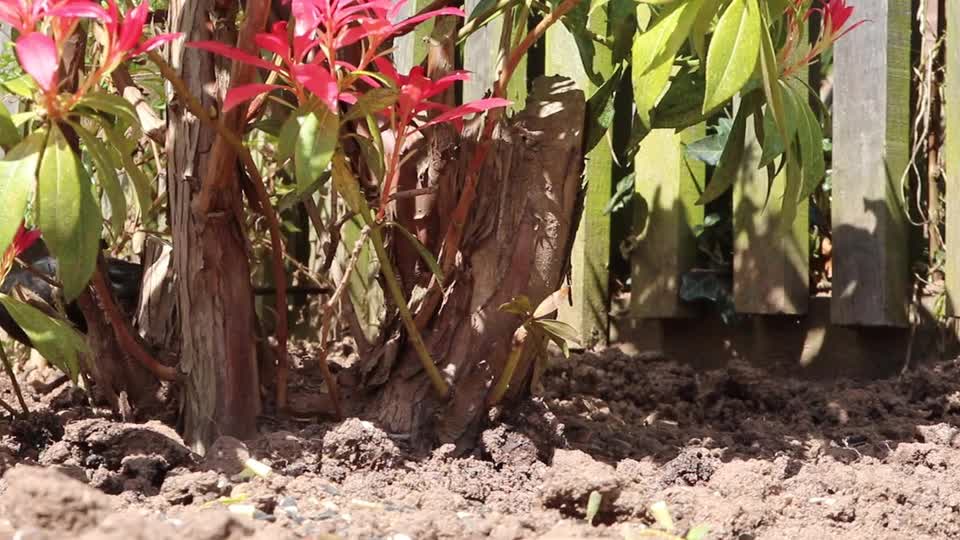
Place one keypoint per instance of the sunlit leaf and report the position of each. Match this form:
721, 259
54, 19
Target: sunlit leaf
733, 53
142, 185
18, 173
54, 339
67, 213
315, 143
371, 102
111, 104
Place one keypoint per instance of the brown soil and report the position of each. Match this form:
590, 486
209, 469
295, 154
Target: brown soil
747, 454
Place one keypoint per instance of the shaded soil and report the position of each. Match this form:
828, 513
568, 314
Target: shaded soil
749, 455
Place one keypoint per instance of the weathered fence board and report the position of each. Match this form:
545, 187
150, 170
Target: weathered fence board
481, 59
952, 156
871, 146
590, 257
771, 267
409, 50
667, 185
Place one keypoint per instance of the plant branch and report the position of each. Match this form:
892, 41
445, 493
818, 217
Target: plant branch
8, 367
230, 138
121, 329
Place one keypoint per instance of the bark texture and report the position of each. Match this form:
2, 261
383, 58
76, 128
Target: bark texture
211, 259
515, 244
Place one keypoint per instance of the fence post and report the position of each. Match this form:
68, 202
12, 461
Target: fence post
667, 186
410, 49
871, 147
771, 267
480, 58
590, 256
952, 158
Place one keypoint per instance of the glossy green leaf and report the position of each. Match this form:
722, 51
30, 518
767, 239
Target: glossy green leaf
316, 140
600, 111
287, 137
710, 148
649, 88
791, 192
54, 339
18, 173
557, 329
9, 134
810, 135
665, 37
111, 104
733, 53
22, 86
67, 213
106, 177
770, 75
733, 152
422, 250
142, 185
702, 26
624, 192
373, 101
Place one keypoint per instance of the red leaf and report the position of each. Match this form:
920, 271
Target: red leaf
37, 54
319, 81
233, 53
246, 92
155, 42
457, 113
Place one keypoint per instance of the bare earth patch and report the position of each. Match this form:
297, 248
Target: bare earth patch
750, 455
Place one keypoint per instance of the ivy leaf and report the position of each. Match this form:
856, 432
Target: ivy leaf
734, 50
67, 213
18, 173
53, 338
625, 190
710, 149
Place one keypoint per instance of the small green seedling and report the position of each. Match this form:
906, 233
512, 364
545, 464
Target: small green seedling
593, 505
665, 528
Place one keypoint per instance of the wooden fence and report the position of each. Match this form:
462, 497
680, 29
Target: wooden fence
871, 136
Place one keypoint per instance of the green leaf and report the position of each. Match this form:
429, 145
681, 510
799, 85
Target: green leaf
482, 7
791, 192
22, 86
811, 146
347, 185
372, 157
111, 104
710, 149
18, 174
702, 25
315, 143
600, 111
665, 37
770, 74
141, 183
289, 200
625, 190
649, 87
732, 157
371, 102
67, 213
558, 329
9, 134
734, 50
422, 250
287, 138
519, 305
106, 176
53, 338
698, 533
